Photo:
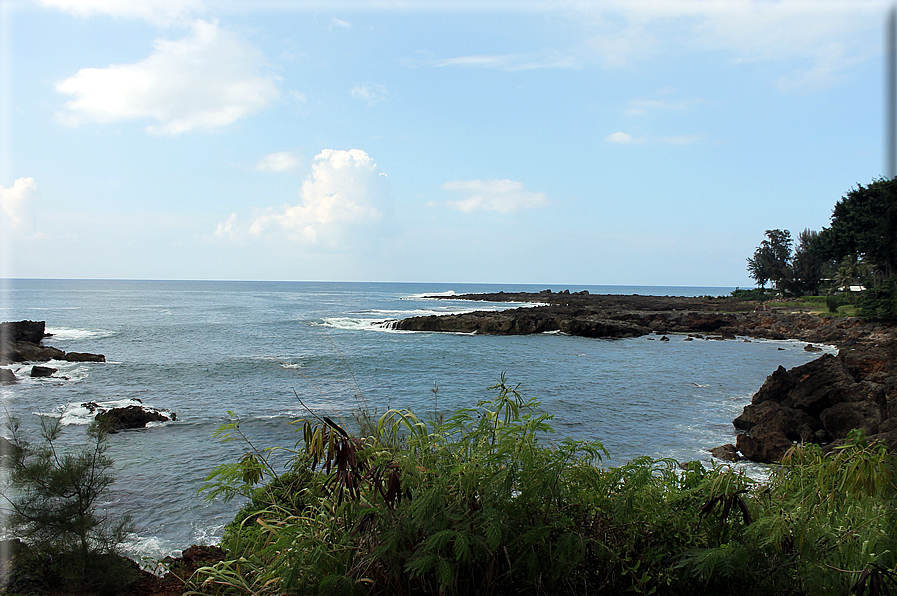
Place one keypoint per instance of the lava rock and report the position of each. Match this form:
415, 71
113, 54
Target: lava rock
131, 417
43, 371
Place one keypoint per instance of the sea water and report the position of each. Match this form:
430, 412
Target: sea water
271, 351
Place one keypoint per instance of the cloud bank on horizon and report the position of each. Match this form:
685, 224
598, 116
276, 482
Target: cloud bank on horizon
655, 140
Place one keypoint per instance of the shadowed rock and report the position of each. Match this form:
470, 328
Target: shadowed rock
130, 417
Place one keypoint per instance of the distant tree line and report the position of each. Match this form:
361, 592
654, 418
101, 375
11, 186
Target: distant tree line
858, 248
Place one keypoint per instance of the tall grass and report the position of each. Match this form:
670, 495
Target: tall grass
484, 503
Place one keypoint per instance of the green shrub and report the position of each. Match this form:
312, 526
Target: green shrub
879, 303
484, 504
835, 301
760, 294
53, 497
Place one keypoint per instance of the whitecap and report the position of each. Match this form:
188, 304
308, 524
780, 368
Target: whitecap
85, 412
429, 295
75, 334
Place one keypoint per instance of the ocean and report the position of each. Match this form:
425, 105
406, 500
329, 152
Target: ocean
202, 349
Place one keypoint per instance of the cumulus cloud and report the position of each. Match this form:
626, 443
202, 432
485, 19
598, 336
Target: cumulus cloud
156, 11
502, 196
281, 161
342, 193
14, 199
370, 92
205, 81
621, 138
228, 228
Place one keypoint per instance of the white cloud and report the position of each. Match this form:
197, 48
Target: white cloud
228, 228
370, 92
156, 11
335, 22
13, 200
503, 196
343, 194
619, 137
281, 161
817, 40
205, 81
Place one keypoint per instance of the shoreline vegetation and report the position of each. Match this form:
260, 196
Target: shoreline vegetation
480, 504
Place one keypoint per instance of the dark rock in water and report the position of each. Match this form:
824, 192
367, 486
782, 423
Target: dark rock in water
20, 341
811, 348
42, 371
664, 338
726, 452
84, 357
130, 417
25, 351
7, 377
766, 445
30, 331
8, 451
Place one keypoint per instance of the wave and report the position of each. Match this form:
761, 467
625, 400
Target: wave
428, 295
74, 334
85, 412
65, 372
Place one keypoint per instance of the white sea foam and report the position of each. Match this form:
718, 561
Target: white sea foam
73, 334
428, 295
65, 372
148, 550
83, 413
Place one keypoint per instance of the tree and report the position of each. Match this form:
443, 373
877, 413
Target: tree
864, 228
53, 496
771, 259
806, 265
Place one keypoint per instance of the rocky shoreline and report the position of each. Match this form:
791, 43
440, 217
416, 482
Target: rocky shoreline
819, 402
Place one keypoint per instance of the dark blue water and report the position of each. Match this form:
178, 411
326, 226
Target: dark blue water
202, 349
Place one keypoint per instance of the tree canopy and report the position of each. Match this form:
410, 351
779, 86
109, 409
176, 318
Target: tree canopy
771, 259
864, 227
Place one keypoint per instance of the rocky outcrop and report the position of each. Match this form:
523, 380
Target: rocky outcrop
42, 371
7, 377
612, 316
129, 417
20, 341
823, 400
727, 452
83, 357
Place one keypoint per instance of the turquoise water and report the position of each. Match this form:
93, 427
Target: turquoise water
201, 349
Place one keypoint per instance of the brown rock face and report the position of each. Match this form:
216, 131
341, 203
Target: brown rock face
823, 400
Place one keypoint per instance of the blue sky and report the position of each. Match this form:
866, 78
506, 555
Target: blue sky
632, 142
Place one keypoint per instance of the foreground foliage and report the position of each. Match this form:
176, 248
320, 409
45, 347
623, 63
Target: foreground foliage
53, 496
483, 504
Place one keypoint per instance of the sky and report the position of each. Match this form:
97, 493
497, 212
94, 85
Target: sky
621, 142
